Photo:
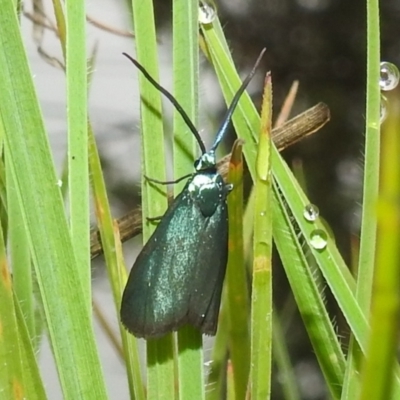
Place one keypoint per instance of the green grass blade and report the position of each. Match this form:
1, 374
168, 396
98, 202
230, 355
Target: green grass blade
366, 259
371, 162
160, 372
290, 386
245, 119
19, 372
216, 367
32, 379
329, 260
160, 368
185, 66
11, 372
117, 282
236, 282
378, 376
186, 76
309, 300
69, 323
20, 256
78, 174
261, 296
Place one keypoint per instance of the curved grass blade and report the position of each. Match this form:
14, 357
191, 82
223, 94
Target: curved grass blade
330, 261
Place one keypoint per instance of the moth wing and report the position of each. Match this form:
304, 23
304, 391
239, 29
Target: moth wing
210, 259
166, 281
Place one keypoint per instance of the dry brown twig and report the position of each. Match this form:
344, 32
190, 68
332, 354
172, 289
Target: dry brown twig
41, 19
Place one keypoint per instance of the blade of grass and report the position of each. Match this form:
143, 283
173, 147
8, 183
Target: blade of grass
62, 293
11, 373
18, 245
19, 372
78, 174
245, 118
186, 76
309, 300
236, 282
61, 25
218, 363
185, 65
111, 254
33, 381
160, 365
129, 342
261, 297
371, 162
378, 372
230, 383
20, 256
366, 258
287, 377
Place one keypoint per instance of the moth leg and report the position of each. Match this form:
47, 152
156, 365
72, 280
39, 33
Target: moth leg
167, 182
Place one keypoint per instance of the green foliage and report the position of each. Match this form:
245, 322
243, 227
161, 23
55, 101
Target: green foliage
48, 248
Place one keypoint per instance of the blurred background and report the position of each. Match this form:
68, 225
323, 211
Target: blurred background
321, 43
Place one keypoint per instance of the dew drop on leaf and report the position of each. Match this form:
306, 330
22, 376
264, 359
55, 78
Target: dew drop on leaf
383, 109
207, 12
389, 76
311, 212
318, 239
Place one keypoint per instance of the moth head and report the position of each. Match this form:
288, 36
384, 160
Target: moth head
206, 161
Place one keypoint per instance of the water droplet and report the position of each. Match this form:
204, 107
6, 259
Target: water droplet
318, 239
311, 212
59, 183
384, 109
389, 76
207, 12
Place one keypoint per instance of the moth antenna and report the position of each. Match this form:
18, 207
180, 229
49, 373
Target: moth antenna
172, 99
227, 119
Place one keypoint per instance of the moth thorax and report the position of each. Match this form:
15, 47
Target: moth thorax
207, 191
206, 161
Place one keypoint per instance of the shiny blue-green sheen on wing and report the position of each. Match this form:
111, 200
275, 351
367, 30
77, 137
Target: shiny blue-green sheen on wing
178, 276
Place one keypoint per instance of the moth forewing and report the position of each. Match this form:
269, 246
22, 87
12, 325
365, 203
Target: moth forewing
177, 278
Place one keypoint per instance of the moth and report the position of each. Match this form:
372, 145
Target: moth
178, 276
